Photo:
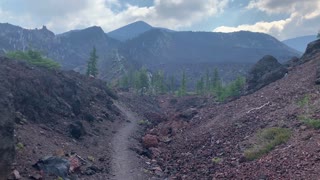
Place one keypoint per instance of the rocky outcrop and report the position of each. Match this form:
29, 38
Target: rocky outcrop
264, 72
6, 129
312, 49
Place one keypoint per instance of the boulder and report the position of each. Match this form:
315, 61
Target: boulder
188, 114
264, 72
54, 165
150, 141
76, 130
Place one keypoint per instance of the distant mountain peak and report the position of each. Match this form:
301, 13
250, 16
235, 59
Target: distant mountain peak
94, 28
300, 43
140, 23
130, 31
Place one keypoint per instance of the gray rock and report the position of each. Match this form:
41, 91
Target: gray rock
54, 165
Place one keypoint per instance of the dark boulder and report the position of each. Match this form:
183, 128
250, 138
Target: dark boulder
264, 72
77, 130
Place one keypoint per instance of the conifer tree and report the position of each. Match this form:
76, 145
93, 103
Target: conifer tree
183, 88
92, 68
208, 84
200, 87
172, 84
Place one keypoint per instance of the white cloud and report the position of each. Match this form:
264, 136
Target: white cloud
61, 15
274, 27
304, 18
284, 6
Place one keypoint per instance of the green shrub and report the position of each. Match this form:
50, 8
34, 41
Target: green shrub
19, 146
144, 122
34, 58
304, 101
91, 158
267, 140
232, 89
313, 123
216, 160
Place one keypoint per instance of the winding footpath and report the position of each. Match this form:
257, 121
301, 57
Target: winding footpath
125, 162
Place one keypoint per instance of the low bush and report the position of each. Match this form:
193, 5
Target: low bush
313, 123
144, 122
304, 101
267, 140
34, 58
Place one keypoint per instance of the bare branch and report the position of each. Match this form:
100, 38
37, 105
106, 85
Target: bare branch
257, 108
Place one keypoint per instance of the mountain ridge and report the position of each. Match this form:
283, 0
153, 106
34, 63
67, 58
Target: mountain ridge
157, 49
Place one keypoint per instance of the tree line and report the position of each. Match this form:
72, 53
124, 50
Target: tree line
144, 82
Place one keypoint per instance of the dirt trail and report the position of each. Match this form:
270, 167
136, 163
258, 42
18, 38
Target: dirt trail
125, 162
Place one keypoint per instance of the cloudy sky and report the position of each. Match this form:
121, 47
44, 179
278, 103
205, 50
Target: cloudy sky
280, 18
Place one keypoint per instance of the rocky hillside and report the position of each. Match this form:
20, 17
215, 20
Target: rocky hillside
270, 134
54, 113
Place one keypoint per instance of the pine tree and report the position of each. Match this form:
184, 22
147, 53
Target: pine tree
92, 68
172, 84
208, 84
183, 88
158, 82
216, 82
124, 82
318, 35
141, 81
200, 87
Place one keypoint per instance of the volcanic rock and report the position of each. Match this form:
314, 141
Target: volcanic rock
150, 141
